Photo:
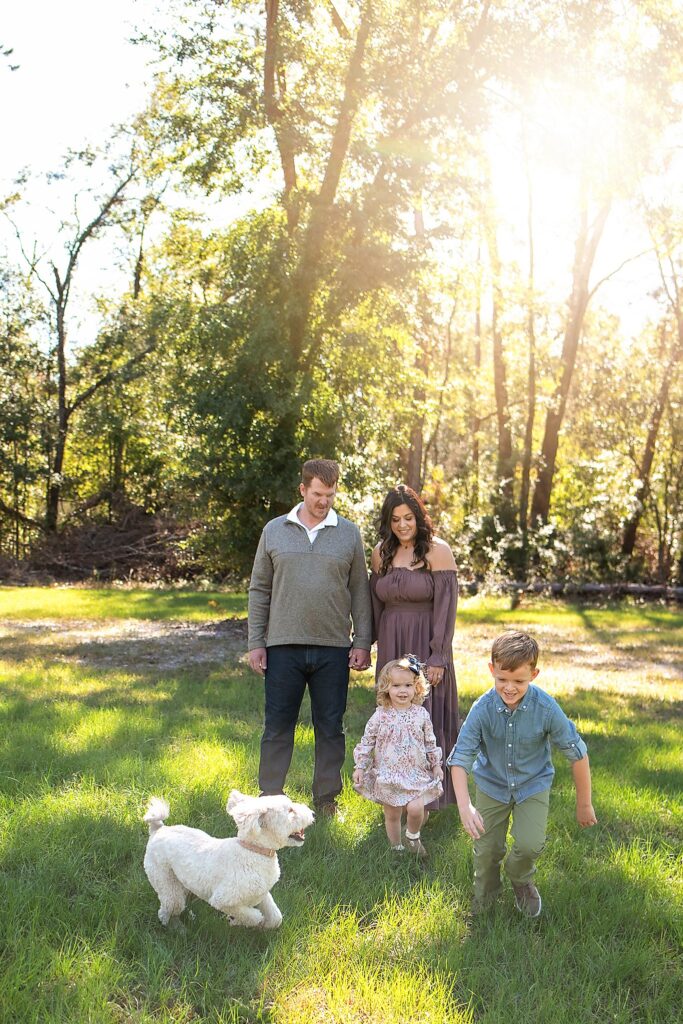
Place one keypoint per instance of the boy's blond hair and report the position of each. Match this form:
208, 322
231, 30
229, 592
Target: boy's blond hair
513, 649
384, 681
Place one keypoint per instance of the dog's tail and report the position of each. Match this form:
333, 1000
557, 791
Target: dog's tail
157, 812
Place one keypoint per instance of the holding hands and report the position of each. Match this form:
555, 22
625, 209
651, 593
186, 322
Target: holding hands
359, 659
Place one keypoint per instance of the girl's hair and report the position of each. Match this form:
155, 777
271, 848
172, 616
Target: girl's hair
410, 664
403, 495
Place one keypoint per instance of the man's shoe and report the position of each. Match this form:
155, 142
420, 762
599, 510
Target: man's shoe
326, 809
527, 899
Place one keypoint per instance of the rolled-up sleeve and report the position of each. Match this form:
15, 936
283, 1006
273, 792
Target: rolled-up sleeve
468, 744
564, 735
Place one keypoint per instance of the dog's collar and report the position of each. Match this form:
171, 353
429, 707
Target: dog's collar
264, 851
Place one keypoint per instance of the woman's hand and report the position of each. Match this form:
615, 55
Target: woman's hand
358, 777
434, 674
437, 772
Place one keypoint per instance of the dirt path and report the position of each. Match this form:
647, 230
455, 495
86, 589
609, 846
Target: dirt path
129, 643
570, 657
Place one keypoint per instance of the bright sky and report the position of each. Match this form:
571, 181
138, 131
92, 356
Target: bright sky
77, 75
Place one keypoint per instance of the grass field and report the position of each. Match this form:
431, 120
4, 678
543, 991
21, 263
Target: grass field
97, 712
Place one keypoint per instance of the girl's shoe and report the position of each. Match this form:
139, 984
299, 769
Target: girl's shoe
416, 846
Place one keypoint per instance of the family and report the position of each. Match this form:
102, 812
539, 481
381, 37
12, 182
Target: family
309, 586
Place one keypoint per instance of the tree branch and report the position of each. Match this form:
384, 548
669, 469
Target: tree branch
19, 517
616, 270
107, 378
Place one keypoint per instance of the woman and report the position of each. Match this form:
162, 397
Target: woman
414, 590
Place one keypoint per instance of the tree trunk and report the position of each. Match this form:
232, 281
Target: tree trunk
54, 489
475, 420
503, 499
309, 270
643, 483
531, 383
586, 247
275, 116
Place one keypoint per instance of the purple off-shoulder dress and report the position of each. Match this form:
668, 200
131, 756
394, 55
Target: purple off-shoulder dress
414, 613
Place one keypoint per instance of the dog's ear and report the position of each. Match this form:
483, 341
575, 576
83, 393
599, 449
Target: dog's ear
235, 798
241, 807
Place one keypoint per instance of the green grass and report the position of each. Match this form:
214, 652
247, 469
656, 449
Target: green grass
119, 603
363, 941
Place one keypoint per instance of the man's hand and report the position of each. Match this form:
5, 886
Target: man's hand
359, 659
472, 821
585, 815
258, 660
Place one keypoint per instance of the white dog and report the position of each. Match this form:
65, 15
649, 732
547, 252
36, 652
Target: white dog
233, 875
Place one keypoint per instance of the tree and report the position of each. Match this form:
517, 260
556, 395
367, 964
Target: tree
22, 370
670, 262
58, 283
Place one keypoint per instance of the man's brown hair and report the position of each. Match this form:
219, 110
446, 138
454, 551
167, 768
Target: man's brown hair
513, 649
325, 470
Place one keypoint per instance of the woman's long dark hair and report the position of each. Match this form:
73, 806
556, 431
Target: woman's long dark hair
403, 495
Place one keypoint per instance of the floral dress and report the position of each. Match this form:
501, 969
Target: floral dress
397, 754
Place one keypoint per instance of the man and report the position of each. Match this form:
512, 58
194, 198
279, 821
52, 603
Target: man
308, 582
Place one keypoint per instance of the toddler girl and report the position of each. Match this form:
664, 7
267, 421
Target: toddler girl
397, 762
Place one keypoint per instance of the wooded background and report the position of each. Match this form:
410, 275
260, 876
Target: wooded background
439, 241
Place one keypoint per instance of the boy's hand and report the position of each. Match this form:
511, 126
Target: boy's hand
357, 776
437, 772
472, 821
585, 815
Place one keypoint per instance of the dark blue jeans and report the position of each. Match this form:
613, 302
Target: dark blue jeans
291, 667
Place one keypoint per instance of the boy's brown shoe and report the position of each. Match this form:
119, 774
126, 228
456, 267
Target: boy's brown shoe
527, 899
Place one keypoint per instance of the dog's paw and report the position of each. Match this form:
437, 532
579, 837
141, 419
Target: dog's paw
271, 923
247, 917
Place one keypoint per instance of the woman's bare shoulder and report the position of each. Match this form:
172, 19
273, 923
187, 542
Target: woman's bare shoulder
440, 555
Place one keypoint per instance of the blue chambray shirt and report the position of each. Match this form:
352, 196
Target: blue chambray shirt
510, 750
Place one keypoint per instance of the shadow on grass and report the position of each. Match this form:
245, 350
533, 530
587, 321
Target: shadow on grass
593, 620
113, 603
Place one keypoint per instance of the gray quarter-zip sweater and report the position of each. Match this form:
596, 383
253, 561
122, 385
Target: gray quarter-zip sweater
303, 593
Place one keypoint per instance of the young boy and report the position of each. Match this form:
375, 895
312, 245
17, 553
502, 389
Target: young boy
506, 737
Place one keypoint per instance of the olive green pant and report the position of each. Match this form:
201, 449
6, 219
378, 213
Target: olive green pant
529, 820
